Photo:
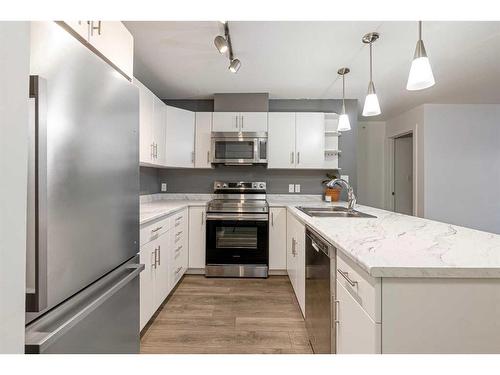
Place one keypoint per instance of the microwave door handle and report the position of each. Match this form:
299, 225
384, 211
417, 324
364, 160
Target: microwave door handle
36, 289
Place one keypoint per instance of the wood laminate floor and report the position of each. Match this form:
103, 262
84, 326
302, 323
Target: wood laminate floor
217, 316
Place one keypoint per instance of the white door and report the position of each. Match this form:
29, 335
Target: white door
403, 175
146, 147
162, 287
81, 27
281, 140
159, 131
114, 41
291, 259
180, 137
310, 140
253, 121
356, 332
277, 239
147, 292
197, 237
226, 122
203, 140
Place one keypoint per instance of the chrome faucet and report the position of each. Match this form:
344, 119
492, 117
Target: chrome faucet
351, 198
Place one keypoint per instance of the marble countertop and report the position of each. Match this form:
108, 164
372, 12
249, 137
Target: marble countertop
153, 207
390, 245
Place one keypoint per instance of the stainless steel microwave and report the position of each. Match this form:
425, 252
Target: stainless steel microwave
239, 148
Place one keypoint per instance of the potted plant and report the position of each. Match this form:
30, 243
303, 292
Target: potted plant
332, 192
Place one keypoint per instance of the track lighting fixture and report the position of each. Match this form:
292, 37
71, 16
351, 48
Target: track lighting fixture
420, 76
344, 123
223, 45
371, 107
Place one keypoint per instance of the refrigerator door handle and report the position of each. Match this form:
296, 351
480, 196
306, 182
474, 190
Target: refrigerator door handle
39, 336
36, 269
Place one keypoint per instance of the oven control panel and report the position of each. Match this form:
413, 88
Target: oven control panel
240, 186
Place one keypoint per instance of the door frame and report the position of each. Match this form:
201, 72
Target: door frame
389, 196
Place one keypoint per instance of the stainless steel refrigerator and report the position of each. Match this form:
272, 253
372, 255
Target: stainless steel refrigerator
83, 201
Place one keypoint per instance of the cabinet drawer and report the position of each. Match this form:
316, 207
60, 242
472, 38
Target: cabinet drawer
178, 220
356, 332
152, 231
363, 288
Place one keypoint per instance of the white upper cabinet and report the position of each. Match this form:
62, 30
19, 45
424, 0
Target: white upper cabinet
310, 140
226, 122
146, 144
202, 142
180, 138
111, 39
253, 121
281, 140
159, 131
239, 122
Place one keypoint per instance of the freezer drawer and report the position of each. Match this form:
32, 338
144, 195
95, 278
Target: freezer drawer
104, 318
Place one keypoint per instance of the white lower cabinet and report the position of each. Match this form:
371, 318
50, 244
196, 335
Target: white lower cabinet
356, 332
165, 257
296, 265
277, 239
197, 237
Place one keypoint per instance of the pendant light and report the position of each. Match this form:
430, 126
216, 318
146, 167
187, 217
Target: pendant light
420, 76
235, 65
221, 44
344, 123
371, 107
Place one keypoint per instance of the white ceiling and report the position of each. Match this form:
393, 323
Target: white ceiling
294, 60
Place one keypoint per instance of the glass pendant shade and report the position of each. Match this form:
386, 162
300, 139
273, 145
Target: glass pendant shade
371, 107
344, 123
420, 76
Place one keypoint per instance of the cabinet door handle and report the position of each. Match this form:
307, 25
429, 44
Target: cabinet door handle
272, 219
159, 255
345, 275
241, 122
236, 122
336, 308
291, 157
156, 257
298, 157
153, 255
156, 229
98, 28
202, 218
208, 157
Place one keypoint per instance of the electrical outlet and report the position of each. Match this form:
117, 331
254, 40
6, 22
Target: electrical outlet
163, 186
345, 177
297, 188
291, 188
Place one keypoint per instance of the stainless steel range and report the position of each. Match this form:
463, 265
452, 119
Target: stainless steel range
237, 243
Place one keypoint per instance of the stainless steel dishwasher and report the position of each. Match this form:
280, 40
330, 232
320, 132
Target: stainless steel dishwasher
320, 256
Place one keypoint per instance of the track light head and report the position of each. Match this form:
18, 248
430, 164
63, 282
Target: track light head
234, 66
221, 44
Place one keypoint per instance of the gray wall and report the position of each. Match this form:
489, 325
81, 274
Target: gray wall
200, 181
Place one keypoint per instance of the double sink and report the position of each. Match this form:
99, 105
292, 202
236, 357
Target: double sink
334, 211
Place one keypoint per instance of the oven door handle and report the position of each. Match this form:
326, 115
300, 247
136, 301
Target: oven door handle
237, 217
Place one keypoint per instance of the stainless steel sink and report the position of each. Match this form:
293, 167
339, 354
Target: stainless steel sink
333, 211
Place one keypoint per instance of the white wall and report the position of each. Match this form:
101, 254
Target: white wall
371, 163
14, 81
462, 165
410, 121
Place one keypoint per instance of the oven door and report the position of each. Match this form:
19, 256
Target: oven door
237, 239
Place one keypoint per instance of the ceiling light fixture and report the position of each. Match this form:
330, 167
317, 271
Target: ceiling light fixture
371, 107
420, 76
221, 44
234, 66
344, 123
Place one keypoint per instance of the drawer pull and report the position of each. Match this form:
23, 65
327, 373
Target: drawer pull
345, 275
156, 229
178, 249
336, 310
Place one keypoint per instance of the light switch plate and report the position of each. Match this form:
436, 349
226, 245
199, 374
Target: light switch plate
163, 186
345, 177
291, 188
297, 188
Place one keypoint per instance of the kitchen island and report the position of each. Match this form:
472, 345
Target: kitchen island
403, 284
